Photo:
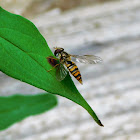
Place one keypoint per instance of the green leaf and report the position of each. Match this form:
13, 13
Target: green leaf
17, 107
23, 53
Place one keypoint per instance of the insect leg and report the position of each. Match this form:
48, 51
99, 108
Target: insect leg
53, 67
52, 58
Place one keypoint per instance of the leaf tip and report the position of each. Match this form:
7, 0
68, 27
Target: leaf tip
100, 123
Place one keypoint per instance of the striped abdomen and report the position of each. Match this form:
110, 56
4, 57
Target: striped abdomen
74, 70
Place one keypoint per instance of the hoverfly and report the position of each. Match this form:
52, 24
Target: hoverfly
65, 59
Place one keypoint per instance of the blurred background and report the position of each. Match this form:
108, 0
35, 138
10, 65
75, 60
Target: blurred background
106, 28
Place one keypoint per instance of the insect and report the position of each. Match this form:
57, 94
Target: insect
65, 60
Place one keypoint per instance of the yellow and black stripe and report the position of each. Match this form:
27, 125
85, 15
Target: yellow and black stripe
74, 70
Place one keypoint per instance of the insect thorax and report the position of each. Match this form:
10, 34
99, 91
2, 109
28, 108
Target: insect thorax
65, 57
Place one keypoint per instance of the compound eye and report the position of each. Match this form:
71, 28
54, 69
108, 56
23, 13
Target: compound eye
56, 54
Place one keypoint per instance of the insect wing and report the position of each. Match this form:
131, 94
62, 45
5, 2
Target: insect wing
52, 60
61, 72
88, 59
